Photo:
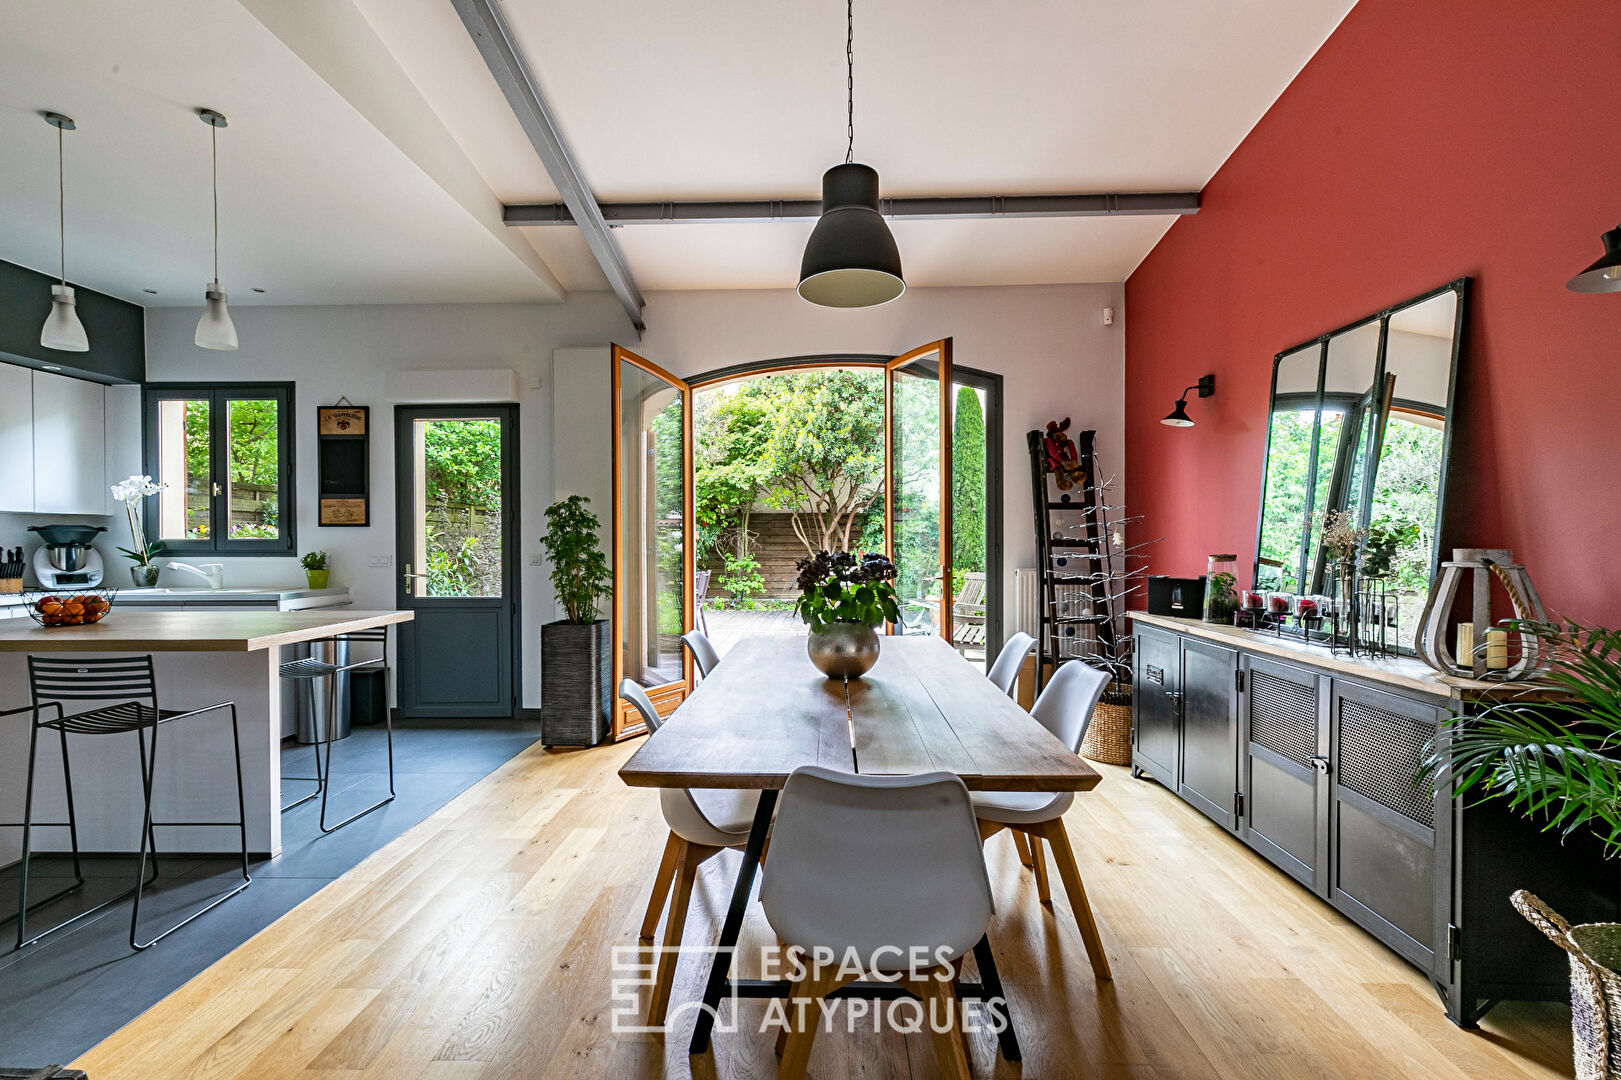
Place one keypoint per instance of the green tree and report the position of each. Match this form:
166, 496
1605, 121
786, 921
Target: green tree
968, 493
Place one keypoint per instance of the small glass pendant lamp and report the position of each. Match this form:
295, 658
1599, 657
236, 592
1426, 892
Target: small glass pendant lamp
62, 330
215, 329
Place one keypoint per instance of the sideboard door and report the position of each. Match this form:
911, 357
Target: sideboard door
1156, 688
1283, 765
1210, 729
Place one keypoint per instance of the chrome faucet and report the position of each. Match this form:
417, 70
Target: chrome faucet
213, 572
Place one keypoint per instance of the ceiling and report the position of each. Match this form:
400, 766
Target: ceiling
370, 150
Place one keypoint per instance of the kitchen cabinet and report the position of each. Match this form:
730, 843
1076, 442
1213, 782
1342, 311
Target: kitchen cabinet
1320, 753
70, 445
16, 438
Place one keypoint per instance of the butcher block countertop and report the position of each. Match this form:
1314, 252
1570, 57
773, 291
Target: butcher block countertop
135, 630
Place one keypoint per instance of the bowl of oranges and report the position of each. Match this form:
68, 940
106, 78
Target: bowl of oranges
65, 607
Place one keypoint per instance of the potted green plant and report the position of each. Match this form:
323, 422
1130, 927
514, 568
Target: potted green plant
576, 651
842, 598
315, 569
130, 492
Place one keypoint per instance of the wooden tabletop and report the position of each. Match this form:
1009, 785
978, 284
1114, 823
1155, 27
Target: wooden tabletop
134, 630
765, 711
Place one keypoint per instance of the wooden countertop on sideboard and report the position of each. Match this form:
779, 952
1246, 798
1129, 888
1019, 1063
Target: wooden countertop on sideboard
131, 630
1403, 672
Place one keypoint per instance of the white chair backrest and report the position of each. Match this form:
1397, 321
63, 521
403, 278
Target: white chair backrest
868, 862
1009, 660
703, 651
1066, 703
632, 692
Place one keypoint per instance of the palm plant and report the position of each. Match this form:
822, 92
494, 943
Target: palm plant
1559, 760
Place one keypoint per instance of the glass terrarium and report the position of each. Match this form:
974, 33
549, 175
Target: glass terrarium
1221, 588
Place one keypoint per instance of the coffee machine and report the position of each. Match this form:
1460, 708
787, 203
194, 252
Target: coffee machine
65, 558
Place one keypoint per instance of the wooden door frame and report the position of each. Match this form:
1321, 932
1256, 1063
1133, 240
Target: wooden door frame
508, 413
625, 722
948, 587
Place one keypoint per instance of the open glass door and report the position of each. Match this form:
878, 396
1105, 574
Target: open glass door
652, 538
917, 489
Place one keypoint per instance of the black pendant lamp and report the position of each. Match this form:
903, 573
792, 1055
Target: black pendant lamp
851, 259
1604, 275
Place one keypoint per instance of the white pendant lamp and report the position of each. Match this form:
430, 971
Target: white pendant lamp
215, 329
63, 330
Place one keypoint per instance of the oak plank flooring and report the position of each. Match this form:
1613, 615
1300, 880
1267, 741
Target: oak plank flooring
477, 947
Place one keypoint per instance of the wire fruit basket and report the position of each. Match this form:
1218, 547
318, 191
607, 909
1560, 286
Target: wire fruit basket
69, 607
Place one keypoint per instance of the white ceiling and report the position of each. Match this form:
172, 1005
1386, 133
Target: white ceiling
370, 148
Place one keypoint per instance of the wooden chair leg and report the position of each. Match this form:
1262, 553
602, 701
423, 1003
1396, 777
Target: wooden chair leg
1022, 845
661, 886
940, 1013
1039, 860
1071, 875
692, 856
810, 991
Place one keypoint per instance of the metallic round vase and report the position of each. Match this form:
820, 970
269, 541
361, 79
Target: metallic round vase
843, 650
145, 575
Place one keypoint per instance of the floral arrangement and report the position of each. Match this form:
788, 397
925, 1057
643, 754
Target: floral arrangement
1341, 538
836, 586
130, 492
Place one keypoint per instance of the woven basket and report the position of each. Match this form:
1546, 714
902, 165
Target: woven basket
1595, 987
1108, 737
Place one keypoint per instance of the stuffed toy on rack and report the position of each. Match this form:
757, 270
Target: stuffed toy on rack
1062, 460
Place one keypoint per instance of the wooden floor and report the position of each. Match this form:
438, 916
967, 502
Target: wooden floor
478, 946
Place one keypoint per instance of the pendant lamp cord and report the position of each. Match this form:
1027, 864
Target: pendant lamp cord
61, 209
214, 153
850, 79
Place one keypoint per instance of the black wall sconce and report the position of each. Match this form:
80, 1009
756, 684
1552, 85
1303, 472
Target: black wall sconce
1179, 415
1604, 275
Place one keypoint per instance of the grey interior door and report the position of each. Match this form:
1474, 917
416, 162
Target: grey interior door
456, 478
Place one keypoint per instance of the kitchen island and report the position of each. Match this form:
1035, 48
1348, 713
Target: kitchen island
201, 657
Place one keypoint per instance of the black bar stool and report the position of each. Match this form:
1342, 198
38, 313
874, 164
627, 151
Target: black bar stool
54, 680
313, 667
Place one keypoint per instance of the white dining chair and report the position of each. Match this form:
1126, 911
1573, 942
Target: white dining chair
1005, 669
702, 824
865, 866
703, 651
1065, 709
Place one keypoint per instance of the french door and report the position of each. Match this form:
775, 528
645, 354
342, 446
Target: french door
653, 536
918, 404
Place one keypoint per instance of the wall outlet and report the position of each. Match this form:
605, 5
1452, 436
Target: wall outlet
383, 561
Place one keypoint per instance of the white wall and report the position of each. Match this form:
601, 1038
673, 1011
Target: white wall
334, 351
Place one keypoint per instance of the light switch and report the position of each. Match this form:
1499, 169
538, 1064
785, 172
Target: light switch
383, 561
534, 560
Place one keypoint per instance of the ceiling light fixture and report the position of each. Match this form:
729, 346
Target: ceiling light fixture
62, 330
851, 259
1605, 274
1179, 416
215, 329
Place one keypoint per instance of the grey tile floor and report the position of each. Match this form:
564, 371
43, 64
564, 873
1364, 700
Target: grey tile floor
63, 995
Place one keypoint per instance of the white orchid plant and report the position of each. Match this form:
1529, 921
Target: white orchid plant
130, 492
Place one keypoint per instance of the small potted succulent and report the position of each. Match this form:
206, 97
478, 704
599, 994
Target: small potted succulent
130, 492
576, 651
315, 569
842, 598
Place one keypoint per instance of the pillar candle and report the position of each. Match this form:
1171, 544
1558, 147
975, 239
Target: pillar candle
1466, 644
1497, 649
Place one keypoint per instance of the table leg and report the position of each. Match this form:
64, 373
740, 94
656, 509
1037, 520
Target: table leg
991, 982
721, 965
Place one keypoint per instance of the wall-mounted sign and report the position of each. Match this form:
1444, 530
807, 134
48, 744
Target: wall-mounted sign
344, 511
341, 419
344, 464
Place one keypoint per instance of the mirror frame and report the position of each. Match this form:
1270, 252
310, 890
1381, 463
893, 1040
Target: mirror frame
1458, 286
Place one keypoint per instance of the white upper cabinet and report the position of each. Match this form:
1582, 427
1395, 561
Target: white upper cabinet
16, 438
70, 445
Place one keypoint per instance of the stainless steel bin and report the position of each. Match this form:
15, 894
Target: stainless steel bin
312, 693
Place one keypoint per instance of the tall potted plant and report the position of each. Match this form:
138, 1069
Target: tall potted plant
576, 651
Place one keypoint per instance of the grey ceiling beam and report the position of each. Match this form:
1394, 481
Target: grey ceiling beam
1156, 204
496, 44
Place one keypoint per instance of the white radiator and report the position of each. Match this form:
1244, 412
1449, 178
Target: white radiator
1027, 601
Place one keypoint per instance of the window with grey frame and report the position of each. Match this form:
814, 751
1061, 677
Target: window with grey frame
224, 453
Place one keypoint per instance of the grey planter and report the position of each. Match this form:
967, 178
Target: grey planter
576, 683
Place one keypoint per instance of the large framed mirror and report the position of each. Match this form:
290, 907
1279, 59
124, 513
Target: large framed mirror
1360, 422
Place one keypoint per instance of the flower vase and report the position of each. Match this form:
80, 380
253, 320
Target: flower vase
843, 650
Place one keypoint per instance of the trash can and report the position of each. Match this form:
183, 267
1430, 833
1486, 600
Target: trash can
312, 694
368, 696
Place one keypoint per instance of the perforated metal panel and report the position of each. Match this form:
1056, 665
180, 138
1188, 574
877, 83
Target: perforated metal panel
1380, 753
1283, 717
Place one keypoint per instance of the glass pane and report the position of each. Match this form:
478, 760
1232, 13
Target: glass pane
970, 502
1288, 469
253, 480
183, 452
652, 523
457, 474
915, 476
1343, 439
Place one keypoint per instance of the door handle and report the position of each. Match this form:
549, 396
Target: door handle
218, 491
1174, 695
1320, 763
410, 577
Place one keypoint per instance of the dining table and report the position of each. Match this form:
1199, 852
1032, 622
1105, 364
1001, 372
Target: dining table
765, 711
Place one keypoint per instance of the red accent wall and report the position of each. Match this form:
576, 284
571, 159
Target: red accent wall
1423, 142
